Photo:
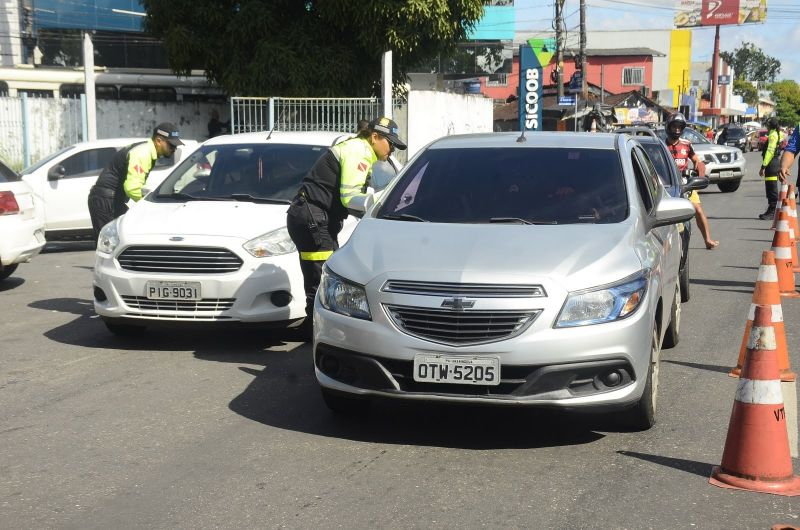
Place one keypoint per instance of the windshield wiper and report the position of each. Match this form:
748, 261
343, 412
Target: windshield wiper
405, 217
519, 220
187, 197
248, 197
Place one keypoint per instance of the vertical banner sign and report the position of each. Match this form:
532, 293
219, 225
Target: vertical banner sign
533, 57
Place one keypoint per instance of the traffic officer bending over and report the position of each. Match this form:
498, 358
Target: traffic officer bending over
124, 178
319, 209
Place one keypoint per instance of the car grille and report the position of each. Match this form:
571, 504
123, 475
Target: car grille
460, 328
724, 157
173, 259
194, 309
472, 290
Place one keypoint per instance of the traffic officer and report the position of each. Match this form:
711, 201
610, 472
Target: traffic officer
319, 209
771, 167
125, 176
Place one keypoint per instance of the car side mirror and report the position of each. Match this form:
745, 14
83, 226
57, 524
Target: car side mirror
359, 204
672, 210
695, 183
56, 172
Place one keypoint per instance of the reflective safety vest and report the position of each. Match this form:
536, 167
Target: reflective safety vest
128, 170
771, 163
338, 176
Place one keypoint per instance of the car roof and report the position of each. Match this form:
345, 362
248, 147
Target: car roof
281, 137
550, 139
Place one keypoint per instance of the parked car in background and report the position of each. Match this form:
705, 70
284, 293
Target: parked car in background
539, 273
733, 136
756, 140
62, 182
210, 243
21, 222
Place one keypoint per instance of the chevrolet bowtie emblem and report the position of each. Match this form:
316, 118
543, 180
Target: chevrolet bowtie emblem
458, 304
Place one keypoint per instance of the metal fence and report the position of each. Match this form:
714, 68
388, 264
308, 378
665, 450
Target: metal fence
32, 128
302, 114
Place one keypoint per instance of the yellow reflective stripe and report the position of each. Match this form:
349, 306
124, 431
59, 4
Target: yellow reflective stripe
770, 178
321, 255
352, 193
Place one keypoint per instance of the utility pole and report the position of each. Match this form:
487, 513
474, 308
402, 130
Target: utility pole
584, 89
559, 25
88, 83
714, 72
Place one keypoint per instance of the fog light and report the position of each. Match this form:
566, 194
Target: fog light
99, 295
280, 298
329, 364
612, 378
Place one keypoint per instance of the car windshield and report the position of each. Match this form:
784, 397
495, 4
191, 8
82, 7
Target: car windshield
518, 185
245, 172
688, 134
30, 169
656, 155
734, 133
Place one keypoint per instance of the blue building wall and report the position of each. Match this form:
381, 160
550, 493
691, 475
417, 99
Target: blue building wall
497, 24
88, 14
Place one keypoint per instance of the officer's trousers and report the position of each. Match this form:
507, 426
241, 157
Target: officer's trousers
315, 236
104, 207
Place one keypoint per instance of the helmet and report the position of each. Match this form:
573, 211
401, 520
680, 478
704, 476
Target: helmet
678, 120
772, 123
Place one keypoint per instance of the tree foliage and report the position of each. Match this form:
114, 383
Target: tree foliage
306, 48
746, 90
750, 63
787, 101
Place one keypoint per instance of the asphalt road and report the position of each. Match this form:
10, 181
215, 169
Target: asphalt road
211, 429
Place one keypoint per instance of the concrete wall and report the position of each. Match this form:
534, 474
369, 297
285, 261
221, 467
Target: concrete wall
10, 49
117, 119
432, 115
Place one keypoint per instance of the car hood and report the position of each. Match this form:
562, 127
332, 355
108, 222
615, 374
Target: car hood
713, 148
574, 256
244, 220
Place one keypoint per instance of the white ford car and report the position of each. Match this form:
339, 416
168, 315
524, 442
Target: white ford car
210, 244
61, 182
21, 222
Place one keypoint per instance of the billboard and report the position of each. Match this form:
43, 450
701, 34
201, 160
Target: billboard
694, 13
533, 57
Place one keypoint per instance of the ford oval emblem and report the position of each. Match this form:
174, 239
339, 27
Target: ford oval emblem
176, 238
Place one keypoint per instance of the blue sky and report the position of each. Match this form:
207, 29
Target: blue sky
779, 37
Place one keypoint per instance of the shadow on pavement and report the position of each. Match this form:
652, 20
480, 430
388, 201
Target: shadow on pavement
700, 366
691, 466
12, 282
284, 394
742, 291
723, 283
740, 267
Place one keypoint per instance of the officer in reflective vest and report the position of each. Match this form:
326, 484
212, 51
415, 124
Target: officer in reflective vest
771, 167
319, 209
124, 178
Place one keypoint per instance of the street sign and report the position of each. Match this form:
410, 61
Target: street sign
576, 81
724, 79
567, 100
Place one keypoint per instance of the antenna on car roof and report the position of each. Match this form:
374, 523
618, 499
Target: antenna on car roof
521, 137
270, 132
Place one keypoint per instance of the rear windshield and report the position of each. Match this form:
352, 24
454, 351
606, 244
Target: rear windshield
736, 133
241, 172
7, 174
517, 185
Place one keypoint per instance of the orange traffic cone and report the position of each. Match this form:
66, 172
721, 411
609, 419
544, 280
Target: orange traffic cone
792, 211
781, 202
756, 455
783, 257
766, 293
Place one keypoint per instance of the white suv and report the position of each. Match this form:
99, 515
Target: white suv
210, 243
62, 181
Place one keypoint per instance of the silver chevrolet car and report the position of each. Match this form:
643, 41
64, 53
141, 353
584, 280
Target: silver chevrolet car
536, 270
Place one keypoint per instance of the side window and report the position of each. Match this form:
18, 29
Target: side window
382, 174
88, 163
643, 180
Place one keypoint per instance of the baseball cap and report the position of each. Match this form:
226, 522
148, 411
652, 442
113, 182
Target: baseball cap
388, 128
170, 132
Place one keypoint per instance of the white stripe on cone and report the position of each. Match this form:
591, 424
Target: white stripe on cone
762, 338
782, 226
782, 252
767, 273
777, 312
757, 392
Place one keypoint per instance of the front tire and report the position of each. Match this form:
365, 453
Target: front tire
643, 415
8, 270
729, 187
343, 405
683, 280
123, 330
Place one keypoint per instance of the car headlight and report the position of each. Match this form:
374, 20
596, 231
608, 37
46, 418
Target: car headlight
275, 243
341, 296
604, 304
708, 158
108, 239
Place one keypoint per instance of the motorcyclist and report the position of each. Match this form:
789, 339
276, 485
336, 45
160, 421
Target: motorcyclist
682, 152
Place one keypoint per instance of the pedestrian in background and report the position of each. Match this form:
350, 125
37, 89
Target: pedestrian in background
771, 167
789, 154
125, 176
320, 207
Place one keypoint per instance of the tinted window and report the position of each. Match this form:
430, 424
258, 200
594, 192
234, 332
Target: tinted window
7, 174
735, 133
659, 160
500, 185
89, 162
268, 171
